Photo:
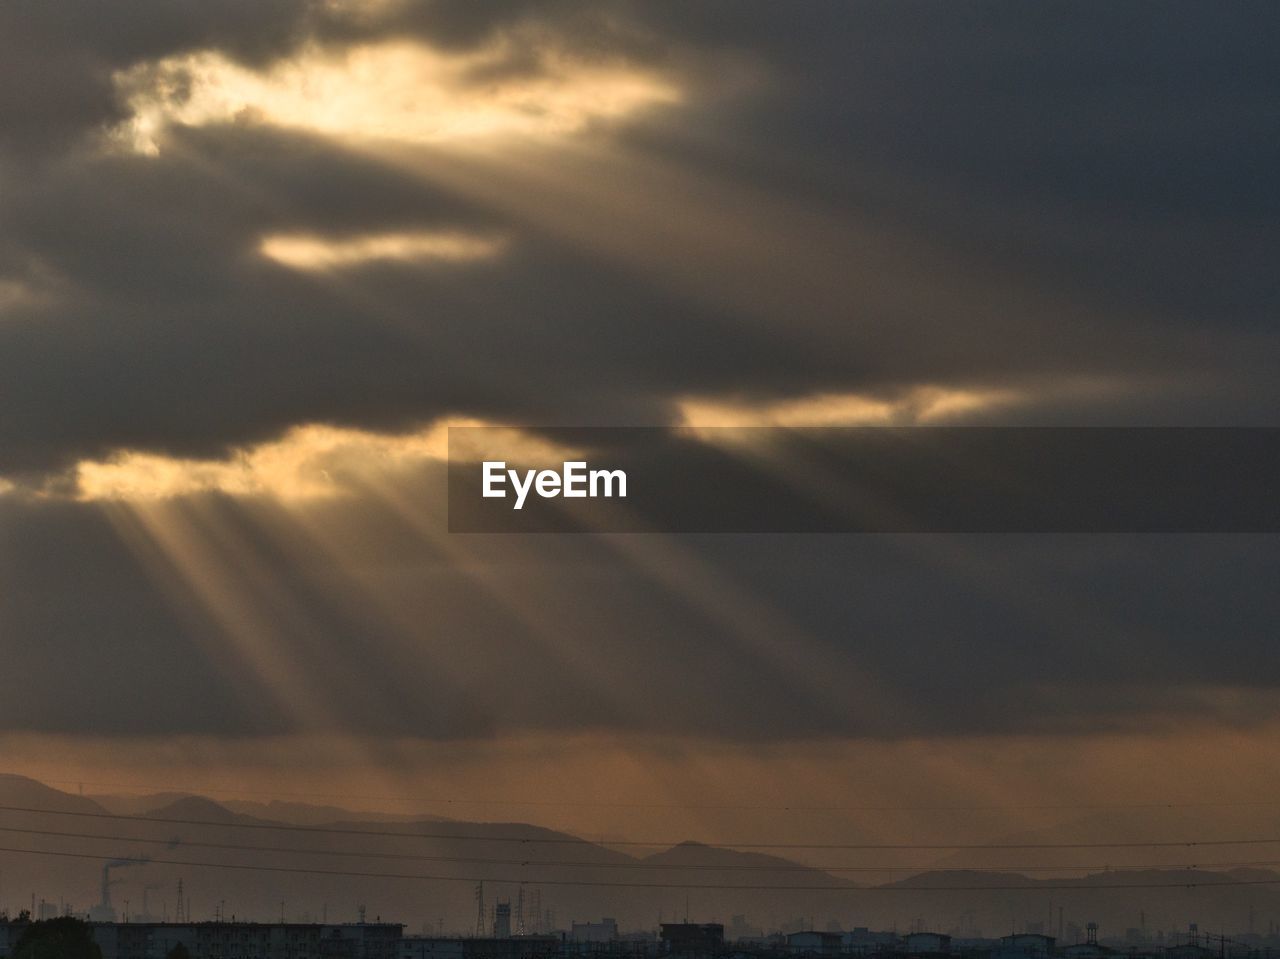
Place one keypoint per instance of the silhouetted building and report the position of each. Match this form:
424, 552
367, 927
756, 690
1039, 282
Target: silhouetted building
1190, 950
811, 943
926, 944
860, 941
606, 930
692, 937
1087, 950
1024, 945
250, 940
453, 947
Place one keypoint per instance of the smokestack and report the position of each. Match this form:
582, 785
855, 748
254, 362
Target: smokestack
104, 911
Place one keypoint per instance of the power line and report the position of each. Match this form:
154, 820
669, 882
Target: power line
1037, 887
615, 804
547, 863
574, 840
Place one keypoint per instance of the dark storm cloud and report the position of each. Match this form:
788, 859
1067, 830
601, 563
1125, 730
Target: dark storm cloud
59, 56
172, 334
176, 336
1111, 162
1119, 157
1107, 159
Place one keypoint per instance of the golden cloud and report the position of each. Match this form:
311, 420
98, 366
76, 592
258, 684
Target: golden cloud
918, 406
306, 251
392, 91
306, 463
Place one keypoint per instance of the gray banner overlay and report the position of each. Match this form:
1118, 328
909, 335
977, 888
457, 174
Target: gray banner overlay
868, 480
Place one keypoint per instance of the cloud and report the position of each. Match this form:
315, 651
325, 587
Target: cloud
299, 466
920, 405
309, 252
535, 214
391, 91
770, 244
307, 463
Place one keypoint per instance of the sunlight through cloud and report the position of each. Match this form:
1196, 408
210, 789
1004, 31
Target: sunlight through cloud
393, 91
301, 251
918, 406
309, 462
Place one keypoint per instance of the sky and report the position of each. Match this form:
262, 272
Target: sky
257, 255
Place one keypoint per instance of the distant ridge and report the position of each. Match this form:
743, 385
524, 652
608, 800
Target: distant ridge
199, 808
22, 791
733, 866
419, 879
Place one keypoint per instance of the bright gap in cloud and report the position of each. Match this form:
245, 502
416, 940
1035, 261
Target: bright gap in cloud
307, 463
918, 406
303, 251
393, 91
